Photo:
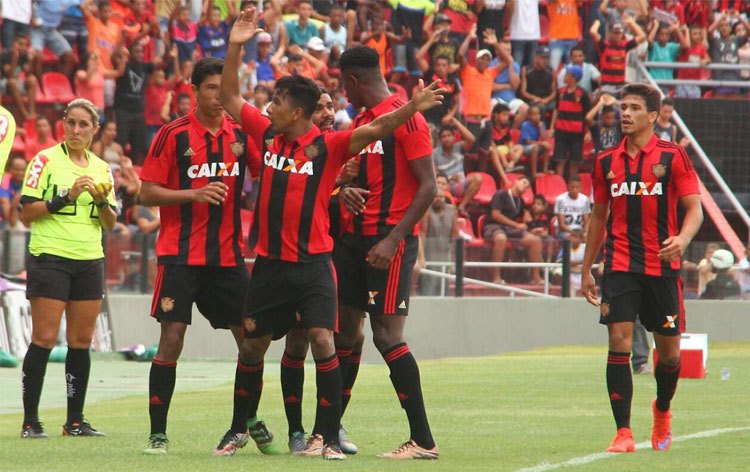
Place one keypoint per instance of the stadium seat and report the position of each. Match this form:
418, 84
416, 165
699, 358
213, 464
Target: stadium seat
486, 190
528, 195
396, 88
480, 224
464, 226
59, 130
30, 127
57, 87
587, 186
551, 186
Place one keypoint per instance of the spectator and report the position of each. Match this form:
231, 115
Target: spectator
407, 19
213, 35
619, 11
572, 209
504, 153
272, 24
564, 29
444, 187
605, 126
73, 29
724, 286
333, 32
43, 140
164, 10
569, 122
538, 86
742, 273
19, 58
44, 33
613, 52
724, 50
491, 15
158, 99
590, 79
298, 62
577, 251
695, 54
105, 37
440, 43
664, 50
261, 98
704, 268
381, 39
538, 225
16, 18
508, 218
449, 159
315, 54
105, 145
524, 29
463, 19
184, 35
91, 78
437, 231
181, 83
441, 115
506, 84
533, 138
146, 219
300, 31
10, 191
342, 119
130, 104
673, 7
263, 71
184, 104
743, 53
139, 26
664, 129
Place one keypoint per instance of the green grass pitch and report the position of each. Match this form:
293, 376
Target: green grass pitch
506, 412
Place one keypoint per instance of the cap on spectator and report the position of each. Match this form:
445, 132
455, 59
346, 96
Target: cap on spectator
484, 52
442, 18
264, 38
722, 259
575, 70
542, 51
315, 44
617, 28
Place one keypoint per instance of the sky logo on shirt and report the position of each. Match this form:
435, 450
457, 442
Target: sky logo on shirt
35, 171
285, 164
640, 189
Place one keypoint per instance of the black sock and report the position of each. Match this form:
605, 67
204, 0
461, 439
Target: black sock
405, 379
254, 374
160, 389
77, 369
328, 411
344, 355
666, 384
620, 387
349, 378
242, 388
34, 368
292, 382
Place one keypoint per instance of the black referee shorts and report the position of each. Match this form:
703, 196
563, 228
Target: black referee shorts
656, 300
378, 292
64, 279
279, 290
568, 147
218, 292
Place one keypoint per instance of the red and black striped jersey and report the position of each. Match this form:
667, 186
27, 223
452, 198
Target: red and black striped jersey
185, 155
613, 59
297, 177
642, 194
571, 111
384, 170
501, 136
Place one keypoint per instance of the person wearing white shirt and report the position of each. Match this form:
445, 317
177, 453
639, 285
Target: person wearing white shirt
572, 209
524, 29
590, 79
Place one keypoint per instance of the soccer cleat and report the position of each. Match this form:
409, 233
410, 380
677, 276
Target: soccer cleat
623, 441
231, 442
297, 442
314, 446
661, 434
33, 431
263, 438
347, 447
410, 450
80, 429
157, 445
332, 452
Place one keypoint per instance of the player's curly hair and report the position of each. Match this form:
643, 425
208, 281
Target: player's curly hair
301, 91
359, 57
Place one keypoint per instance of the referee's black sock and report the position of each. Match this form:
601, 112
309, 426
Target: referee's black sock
77, 369
666, 384
292, 382
255, 388
405, 379
349, 378
328, 412
160, 389
620, 387
344, 354
34, 368
243, 385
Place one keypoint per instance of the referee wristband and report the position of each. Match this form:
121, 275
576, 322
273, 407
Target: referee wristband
101, 205
56, 204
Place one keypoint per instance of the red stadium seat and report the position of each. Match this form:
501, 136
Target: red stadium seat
551, 186
59, 130
528, 195
480, 224
587, 187
463, 225
56, 86
30, 127
396, 88
486, 190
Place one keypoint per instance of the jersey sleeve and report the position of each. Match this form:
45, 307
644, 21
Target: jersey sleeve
254, 162
601, 192
36, 179
414, 138
160, 160
683, 174
338, 146
559, 204
254, 124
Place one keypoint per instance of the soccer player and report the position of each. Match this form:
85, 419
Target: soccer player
637, 186
194, 172
293, 272
375, 256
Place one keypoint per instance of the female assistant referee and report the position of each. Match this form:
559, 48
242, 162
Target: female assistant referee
68, 199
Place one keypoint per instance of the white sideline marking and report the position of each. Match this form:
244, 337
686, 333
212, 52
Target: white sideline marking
583, 460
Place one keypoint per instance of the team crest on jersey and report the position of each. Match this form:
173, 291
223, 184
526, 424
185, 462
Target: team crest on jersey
237, 148
269, 142
611, 175
312, 151
35, 171
640, 189
659, 170
166, 304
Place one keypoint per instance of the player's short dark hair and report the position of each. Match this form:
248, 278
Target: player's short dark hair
499, 108
205, 68
667, 101
574, 178
301, 92
649, 94
360, 57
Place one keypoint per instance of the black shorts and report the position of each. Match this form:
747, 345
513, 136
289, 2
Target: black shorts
568, 147
280, 289
657, 301
378, 292
218, 292
64, 279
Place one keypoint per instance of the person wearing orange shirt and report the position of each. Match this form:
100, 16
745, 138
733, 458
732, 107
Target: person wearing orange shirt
104, 35
381, 40
564, 29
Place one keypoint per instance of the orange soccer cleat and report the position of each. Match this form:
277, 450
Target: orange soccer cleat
623, 441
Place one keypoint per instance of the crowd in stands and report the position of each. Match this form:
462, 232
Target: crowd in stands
531, 89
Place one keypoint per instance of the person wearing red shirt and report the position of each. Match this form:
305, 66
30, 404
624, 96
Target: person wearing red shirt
43, 139
140, 26
637, 186
696, 53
